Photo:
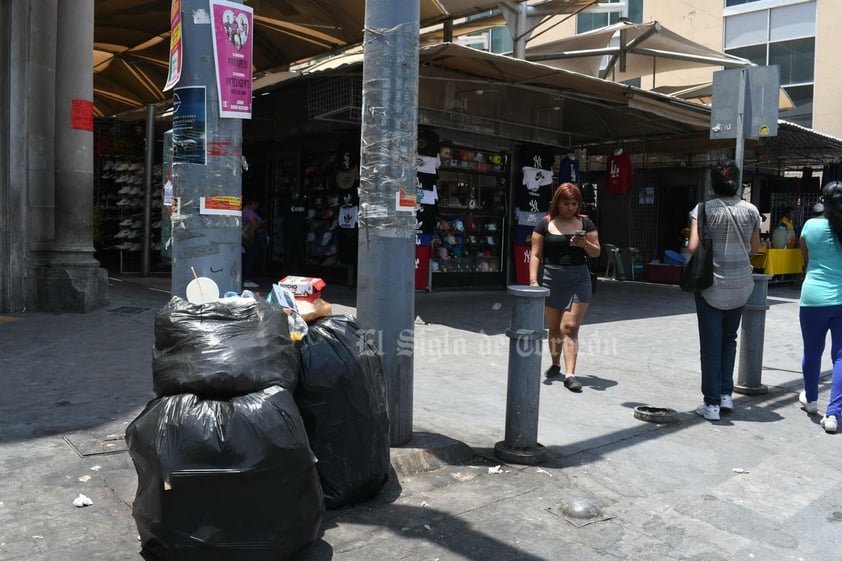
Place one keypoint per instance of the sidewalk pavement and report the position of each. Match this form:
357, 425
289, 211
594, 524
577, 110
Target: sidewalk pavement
760, 484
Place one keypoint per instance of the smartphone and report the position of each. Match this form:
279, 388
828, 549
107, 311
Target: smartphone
580, 233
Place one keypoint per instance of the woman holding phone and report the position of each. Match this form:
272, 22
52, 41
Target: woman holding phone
561, 244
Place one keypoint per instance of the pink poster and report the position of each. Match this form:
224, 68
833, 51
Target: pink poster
232, 46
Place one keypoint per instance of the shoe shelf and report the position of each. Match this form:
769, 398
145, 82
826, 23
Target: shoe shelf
119, 192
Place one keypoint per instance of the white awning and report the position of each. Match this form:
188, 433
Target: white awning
624, 51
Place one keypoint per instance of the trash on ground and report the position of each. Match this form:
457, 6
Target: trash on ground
544, 471
739, 470
85, 478
82, 501
496, 306
96, 468
495, 469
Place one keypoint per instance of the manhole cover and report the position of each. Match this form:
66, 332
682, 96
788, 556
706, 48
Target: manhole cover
653, 414
96, 445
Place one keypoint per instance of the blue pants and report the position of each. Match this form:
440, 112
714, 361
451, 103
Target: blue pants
816, 321
718, 348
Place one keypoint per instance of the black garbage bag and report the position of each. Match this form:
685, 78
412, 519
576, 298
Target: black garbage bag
341, 395
224, 479
222, 349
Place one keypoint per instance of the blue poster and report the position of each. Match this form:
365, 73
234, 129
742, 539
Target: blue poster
189, 125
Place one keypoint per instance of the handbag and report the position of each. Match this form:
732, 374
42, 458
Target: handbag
698, 271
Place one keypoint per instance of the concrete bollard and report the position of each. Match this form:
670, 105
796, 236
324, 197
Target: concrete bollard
524, 386
752, 332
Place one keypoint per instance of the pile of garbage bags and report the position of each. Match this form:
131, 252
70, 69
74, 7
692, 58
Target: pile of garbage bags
252, 435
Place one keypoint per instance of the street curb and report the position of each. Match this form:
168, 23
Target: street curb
427, 452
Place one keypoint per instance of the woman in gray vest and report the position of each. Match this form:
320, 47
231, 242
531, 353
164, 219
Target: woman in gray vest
734, 227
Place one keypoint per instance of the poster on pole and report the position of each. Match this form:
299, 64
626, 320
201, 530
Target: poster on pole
232, 49
174, 74
189, 125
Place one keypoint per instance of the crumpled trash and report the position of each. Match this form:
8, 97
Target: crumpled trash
496, 306
495, 469
741, 471
82, 501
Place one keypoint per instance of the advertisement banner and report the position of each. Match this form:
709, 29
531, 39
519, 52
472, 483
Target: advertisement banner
174, 74
232, 48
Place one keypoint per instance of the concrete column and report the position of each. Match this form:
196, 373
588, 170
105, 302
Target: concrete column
69, 279
210, 244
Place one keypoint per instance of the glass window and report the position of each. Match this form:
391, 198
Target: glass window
796, 59
588, 22
501, 40
792, 22
738, 2
802, 98
754, 53
746, 29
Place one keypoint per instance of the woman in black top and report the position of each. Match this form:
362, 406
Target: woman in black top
561, 243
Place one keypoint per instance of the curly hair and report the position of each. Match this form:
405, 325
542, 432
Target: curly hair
564, 191
832, 199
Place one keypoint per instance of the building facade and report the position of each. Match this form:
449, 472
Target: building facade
797, 35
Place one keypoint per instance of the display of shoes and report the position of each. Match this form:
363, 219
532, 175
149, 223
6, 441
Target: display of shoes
709, 412
811, 407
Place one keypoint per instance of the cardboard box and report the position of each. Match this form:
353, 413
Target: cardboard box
303, 288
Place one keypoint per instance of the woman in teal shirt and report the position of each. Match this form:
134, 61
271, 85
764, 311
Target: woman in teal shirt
821, 304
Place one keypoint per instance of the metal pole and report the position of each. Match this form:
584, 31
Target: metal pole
147, 190
741, 140
386, 263
751, 339
524, 387
519, 48
206, 164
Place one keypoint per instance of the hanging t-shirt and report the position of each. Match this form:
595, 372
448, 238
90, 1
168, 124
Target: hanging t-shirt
618, 169
428, 164
427, 191
569, 170
536, 156
534, 200
536, 177
349, 216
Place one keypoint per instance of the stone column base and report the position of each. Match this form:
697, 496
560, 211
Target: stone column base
71, 289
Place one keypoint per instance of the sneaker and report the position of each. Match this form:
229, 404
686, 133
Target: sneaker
811, 407
829, 424
249, 284
553, 371
709, 412
726, 403
572, 384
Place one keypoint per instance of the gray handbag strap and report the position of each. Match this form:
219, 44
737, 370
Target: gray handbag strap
734, 224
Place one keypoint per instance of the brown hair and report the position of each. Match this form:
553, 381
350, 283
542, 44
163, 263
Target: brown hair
564, 191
